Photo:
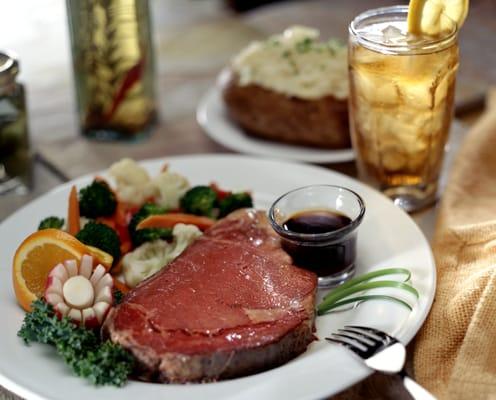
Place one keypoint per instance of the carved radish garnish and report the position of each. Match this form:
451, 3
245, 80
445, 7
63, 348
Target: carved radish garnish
80, 293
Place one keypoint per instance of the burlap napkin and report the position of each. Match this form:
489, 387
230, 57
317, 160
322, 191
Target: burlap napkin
455, 351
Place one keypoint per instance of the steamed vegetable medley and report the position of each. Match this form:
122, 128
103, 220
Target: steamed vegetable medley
146, 222
71, 272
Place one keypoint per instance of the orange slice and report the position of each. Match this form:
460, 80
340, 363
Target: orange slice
100, 256
38, 254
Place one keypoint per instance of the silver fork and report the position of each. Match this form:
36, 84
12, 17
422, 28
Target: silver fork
380, 352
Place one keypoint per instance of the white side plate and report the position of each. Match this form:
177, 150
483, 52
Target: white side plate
212, 117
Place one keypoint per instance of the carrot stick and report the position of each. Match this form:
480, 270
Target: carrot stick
121, 214
126, 246
73, 224
171, 219
121, 286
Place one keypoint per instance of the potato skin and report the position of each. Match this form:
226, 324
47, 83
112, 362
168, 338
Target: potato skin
274, 116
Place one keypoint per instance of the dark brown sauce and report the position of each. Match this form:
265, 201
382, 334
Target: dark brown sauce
316, 221
327, 257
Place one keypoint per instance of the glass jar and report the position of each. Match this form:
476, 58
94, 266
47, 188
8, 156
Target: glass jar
15, 156
112, 55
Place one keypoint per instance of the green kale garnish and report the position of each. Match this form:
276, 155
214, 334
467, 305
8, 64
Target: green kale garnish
51, 223
107, 364
102, 363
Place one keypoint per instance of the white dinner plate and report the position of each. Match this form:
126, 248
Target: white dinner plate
387, 237
212, 116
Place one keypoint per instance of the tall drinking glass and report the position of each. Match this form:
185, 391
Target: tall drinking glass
401, 104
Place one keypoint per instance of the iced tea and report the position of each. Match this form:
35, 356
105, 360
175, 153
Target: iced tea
401, 101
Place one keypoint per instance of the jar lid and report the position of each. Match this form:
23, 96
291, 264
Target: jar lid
9, 67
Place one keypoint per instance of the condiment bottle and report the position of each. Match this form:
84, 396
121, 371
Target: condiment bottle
15, 157
112, 54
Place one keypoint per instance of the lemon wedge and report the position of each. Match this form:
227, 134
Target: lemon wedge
429, 16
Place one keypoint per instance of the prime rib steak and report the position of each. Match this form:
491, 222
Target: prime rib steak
232, 304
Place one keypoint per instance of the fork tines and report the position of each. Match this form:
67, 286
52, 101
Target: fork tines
361, 340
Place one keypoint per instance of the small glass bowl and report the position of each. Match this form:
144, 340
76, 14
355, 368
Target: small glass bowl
331, 254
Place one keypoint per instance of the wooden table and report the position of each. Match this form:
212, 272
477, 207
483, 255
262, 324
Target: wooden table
193, 41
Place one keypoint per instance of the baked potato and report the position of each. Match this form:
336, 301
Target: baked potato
290, 88
275, 116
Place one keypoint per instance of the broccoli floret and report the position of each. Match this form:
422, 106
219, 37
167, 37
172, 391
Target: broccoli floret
199, 200
233, 202
51, 222
102, 237
97, 200
149, 234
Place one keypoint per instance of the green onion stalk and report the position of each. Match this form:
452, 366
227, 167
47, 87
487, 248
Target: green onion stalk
344, 294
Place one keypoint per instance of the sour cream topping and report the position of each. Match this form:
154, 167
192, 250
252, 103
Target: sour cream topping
295, 63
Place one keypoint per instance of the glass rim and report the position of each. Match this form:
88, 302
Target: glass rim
429, 46
318, 237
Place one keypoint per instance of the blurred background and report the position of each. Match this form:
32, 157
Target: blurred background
193, 41
196, 38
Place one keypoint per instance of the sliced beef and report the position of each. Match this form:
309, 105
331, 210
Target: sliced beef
232, 304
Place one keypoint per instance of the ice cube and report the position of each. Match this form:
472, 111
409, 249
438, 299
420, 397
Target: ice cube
417, 92
362, 56
379, 90
445, 84
402, 129
392, 34
393, 159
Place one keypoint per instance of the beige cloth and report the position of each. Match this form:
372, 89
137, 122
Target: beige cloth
455, 351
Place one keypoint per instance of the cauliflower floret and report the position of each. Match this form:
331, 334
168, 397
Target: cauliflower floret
134, 185
151, 257
183, 235
144, 261
170, 187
